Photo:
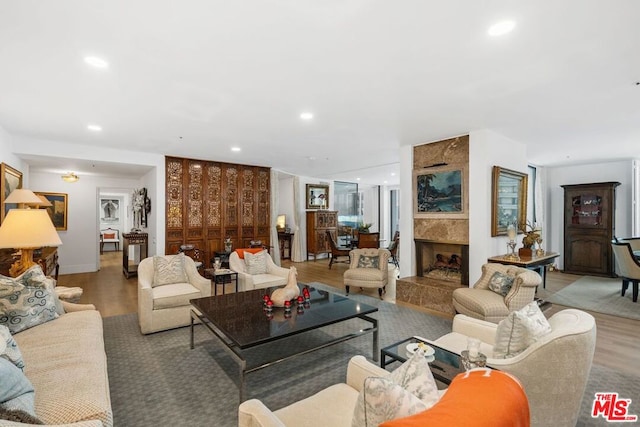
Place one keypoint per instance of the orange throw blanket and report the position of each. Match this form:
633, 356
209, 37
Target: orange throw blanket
479, 398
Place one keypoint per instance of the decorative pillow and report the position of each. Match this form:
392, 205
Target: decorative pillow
9, 348
36, 277
368, 261
381, 400
168, 270
109, 235
501, 283
415, 376
407, 390
16, 392
519, 330
256, 263
23, 305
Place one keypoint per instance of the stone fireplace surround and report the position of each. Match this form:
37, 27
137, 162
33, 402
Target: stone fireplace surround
438, 233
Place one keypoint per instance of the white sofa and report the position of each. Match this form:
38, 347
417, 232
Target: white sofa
275, 275
553, 371
167, 306
66, 363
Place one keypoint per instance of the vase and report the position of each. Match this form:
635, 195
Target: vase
228, 246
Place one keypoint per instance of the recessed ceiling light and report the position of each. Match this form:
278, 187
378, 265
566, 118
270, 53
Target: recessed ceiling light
502, 27
306, 116
393, 174
235, 149
384, 182
95, 61
94, 128
357, 179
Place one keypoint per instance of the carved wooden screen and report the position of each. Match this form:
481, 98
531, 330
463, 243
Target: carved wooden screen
208, 202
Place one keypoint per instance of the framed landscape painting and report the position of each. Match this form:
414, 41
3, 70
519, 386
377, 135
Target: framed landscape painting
11, 179
439, 193
58, 209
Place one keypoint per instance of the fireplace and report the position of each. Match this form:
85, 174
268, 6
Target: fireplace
442, 261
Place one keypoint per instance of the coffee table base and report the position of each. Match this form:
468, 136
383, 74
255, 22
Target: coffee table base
235, 352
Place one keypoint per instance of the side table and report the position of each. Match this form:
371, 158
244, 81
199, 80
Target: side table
444, 364
221, 277
537, 263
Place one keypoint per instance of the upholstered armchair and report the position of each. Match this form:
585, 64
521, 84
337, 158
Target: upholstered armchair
483, 303
369, 268
553, 370
248, 278
628, 267
166, 283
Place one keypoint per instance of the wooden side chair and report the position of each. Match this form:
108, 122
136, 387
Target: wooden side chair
110, 235
369, 240
336, 251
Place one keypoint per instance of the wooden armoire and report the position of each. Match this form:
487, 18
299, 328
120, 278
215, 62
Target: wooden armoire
589, 227
318, 223
207, 202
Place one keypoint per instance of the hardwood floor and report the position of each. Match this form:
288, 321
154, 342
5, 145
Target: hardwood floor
617, 344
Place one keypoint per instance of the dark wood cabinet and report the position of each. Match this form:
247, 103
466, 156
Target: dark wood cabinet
589, 227
318, 223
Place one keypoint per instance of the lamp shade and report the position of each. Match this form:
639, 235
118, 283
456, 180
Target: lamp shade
23, 196
28, 228
45, 201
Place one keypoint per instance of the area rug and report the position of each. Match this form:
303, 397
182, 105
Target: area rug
157, 379
598, 294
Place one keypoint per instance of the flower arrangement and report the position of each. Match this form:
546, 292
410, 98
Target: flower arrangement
532, 234
228, 244
364, 227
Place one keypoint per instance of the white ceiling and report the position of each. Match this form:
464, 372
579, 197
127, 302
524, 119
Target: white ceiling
193, 78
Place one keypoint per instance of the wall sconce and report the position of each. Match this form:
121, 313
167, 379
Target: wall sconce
70, 177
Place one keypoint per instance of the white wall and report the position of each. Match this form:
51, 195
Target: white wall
7, 156
487, 149
80, 242
620, 171
285, 199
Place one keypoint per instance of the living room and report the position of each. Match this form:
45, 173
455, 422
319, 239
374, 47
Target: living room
516, 111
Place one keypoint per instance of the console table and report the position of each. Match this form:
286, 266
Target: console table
284, 240
536, 263
133, 239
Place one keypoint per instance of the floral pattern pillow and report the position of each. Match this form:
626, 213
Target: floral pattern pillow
408, 390
368, 261
501, 283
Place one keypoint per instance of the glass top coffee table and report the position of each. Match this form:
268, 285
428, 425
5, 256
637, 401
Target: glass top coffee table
241, 323
444, 364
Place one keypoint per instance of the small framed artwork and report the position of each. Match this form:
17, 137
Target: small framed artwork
438, 192
109, 210
11, 179
317, 196
58, 209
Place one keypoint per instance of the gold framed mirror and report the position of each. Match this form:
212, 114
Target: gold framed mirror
509, 200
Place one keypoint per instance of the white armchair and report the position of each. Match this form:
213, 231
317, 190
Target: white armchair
166, 306
275, 275
553, 371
